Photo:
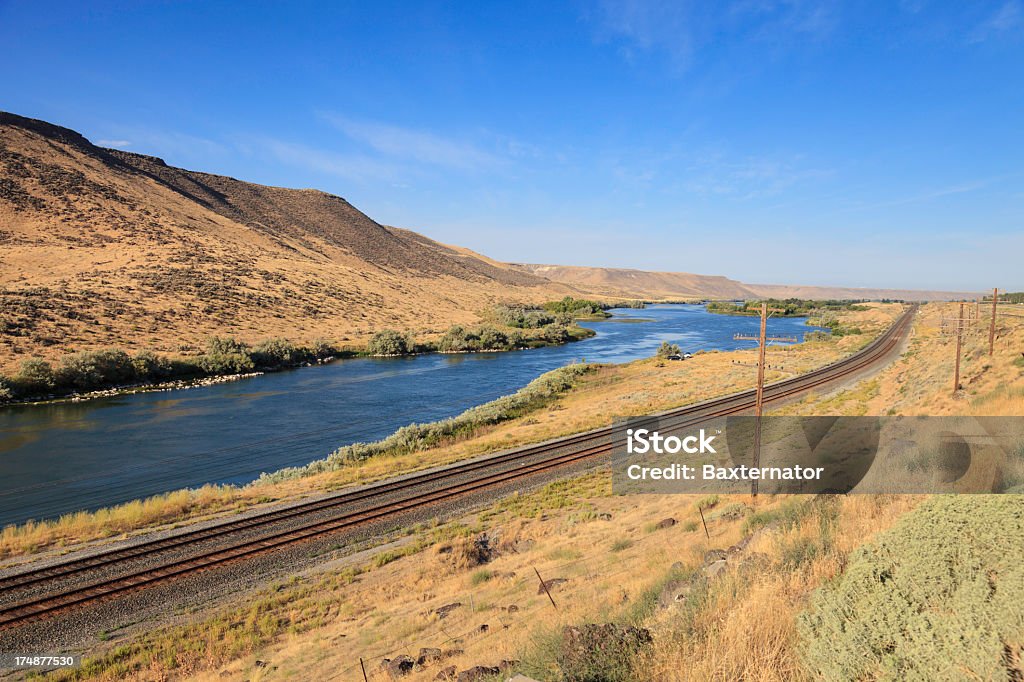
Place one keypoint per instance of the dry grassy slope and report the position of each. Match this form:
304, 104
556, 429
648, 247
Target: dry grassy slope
642, 284
109, 248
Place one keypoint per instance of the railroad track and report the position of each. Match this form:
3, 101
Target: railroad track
334, 513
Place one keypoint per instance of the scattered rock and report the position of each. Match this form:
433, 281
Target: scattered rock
477, 672
551, 584
524, 545
451, 653
604, 516
484, 627
716, 568
674, 591
512, 608
443, 611
507, 664
448, 673
665, 523
428, 655
755, 560
261, 664
713, 555
400, 665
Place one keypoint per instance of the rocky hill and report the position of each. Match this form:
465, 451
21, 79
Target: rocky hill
102, 247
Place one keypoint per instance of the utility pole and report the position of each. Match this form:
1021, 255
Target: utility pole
959, 345
992, 322
762, 342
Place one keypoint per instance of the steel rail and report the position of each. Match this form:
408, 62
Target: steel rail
692, 414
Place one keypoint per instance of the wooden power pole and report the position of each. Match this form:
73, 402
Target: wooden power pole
959, 345
992, 322
762, 343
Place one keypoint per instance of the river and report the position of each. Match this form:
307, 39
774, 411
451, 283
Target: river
64, 457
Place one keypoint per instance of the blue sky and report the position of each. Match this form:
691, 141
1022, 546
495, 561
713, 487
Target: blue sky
860, 144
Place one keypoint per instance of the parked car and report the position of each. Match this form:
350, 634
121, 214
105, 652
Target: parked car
687, 356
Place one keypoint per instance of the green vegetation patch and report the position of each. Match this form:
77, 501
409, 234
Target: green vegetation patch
108, 368
938, 596
789, 307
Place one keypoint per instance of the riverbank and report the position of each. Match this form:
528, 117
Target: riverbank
632, 389
110, 372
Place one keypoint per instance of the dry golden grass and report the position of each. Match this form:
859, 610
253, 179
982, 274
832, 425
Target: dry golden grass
746, 628
100, 254
921, 381
637, 388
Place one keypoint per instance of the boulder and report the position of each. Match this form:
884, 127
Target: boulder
443, 611
477, 672
713, 555
428, 655
448, 673
665, 523
400, 666
551, 584
716, 568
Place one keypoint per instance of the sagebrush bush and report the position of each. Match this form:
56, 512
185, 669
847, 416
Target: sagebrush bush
938, 596
35, 376
667, 349
389, 342
225, 355
278, 353
93, 369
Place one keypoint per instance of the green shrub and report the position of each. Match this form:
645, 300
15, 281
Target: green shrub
225, 355
35, 377
481, 576
454, 340
152, 367
389, 342
620, 545
274, 353
322, 349
667, 349
556, 333
492, 339
938, 596
91, 370
6, 392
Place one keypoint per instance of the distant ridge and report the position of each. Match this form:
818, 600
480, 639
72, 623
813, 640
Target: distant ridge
650, 285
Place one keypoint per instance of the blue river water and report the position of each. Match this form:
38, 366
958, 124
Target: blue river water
64, 457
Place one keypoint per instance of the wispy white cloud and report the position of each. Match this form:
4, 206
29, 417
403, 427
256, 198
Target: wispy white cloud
415, 145
748, 177
680, 29
936, 193
116, 144
357, 167
1009, 18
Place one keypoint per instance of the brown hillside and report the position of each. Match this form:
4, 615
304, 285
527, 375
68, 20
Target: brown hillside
108, 248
